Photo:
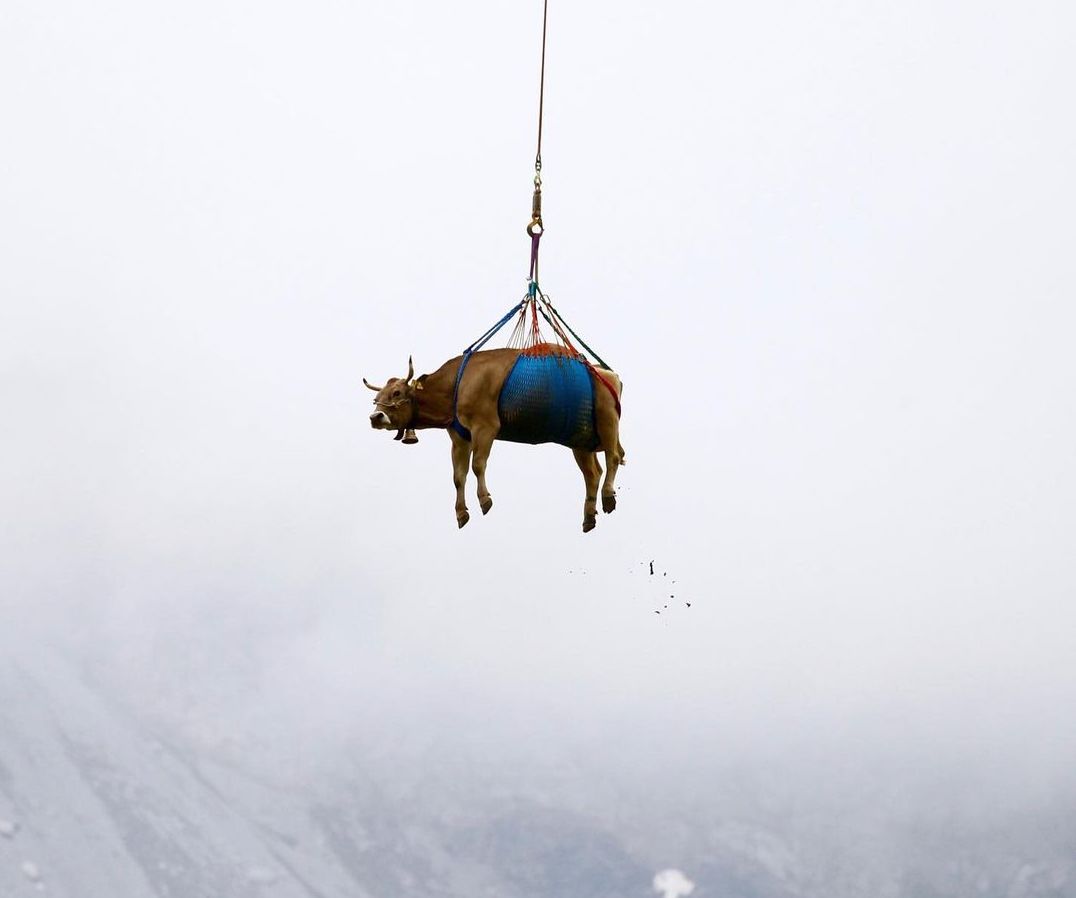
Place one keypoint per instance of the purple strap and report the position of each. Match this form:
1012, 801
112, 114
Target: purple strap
534, 254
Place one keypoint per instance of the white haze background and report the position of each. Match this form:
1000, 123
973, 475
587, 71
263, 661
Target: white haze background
827, 246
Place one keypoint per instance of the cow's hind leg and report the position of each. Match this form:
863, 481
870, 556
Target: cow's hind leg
612, 462
614, 453
461, 457
482, 442
592, 472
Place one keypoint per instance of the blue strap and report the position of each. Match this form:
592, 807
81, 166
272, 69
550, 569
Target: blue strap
456, 425
481, 341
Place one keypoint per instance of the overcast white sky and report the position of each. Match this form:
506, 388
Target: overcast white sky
827, 246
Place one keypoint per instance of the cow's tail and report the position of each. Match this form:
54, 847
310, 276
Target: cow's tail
620, 392
612, 382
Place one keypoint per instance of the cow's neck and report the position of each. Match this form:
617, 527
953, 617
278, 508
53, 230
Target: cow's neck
433, 403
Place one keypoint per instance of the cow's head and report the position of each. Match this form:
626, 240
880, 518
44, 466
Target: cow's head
394, 405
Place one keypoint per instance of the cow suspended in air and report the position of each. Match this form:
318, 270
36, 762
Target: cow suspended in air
544, 394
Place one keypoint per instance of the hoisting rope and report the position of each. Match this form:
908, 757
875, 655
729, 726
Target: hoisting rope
541, 96
535, 228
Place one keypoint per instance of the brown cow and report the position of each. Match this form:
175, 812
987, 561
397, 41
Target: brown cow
406, 404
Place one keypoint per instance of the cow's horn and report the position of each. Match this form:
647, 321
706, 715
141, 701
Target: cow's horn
370, 386
410, 370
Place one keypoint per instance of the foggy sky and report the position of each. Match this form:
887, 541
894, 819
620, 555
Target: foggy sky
827, 247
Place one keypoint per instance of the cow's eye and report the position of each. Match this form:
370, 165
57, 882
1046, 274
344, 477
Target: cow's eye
395, 393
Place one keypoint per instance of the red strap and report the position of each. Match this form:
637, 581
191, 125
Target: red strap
608, 385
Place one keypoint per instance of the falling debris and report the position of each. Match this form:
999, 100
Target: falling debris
8, 828
666, 579
673, 884
665, 576
30, 871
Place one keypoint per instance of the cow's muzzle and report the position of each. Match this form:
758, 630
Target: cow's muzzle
380, 421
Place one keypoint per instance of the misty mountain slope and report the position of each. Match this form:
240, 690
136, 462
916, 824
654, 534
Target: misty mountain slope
102, 798
102, 808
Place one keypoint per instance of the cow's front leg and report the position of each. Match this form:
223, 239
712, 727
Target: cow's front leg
461, 457
592, 472
482, 443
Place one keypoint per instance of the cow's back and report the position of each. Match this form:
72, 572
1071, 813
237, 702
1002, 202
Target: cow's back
548, 399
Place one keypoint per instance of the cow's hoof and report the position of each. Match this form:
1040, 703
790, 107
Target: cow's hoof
486, 504
609, 503
462, 518
589, 523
